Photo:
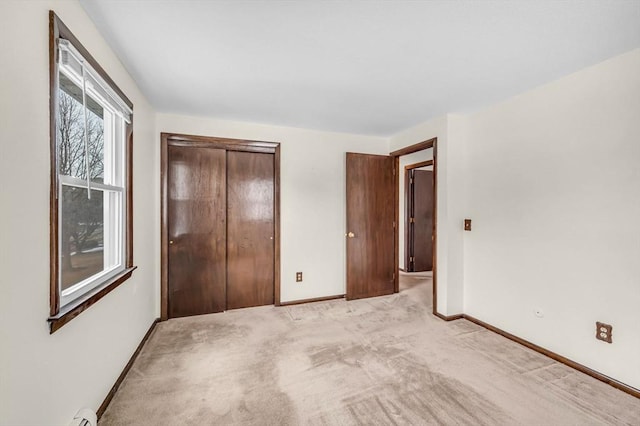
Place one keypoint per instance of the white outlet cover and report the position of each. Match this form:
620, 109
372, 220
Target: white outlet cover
538, 312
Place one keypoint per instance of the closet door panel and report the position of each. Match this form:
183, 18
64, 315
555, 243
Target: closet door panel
196, 212
250, 229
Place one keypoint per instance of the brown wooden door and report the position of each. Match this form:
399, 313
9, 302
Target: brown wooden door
250, 229
370, 228
196, 216
422, 226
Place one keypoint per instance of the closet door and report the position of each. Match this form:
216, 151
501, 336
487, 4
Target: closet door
250, 229
196, 219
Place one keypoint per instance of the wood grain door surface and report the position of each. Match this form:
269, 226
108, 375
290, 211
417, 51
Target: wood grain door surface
422, 228
250, 229
196, 230
370, 216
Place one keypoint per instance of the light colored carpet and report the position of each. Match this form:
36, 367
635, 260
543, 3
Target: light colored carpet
385, 360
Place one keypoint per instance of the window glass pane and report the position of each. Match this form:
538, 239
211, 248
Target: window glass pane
81, 235
71, 147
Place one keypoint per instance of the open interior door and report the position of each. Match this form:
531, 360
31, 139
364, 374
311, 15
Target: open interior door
421, 221
370, 225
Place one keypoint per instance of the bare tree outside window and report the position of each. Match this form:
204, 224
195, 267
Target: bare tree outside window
82, 218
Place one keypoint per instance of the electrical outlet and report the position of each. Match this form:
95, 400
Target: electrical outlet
603, 332
298, 277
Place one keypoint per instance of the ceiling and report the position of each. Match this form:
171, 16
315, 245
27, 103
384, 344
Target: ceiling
365, 67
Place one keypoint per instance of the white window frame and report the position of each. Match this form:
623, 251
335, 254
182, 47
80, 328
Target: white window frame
114, 170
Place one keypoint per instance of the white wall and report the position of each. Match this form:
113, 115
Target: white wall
45, 379
405, 160
312, 183
550, 179
449, 130
453, 156
554, 194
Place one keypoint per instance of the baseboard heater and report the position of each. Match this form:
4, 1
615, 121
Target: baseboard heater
85, 417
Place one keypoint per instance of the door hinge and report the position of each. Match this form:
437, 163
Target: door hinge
411, 181
394, 224
411, 259
411, 220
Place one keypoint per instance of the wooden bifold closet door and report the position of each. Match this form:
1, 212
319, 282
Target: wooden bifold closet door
220, 220
197, 218
250, 192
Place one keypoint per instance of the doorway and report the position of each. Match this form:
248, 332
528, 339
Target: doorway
372, 237
220, 224
422, 146
418, 217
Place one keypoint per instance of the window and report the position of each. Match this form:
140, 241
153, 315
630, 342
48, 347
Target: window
91, 126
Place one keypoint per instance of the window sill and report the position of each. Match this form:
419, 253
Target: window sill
68, 313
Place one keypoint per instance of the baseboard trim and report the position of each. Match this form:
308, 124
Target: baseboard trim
315, 299
566, 361
402, 269
125, 370
448, 317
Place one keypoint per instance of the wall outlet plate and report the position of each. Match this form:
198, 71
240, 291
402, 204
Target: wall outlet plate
603, 332
298, 277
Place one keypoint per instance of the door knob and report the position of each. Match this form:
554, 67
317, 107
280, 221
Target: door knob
351, 235
170, 241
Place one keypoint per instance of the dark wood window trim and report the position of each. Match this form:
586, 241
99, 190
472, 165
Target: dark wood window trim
58, 317
170, 139
65, 316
